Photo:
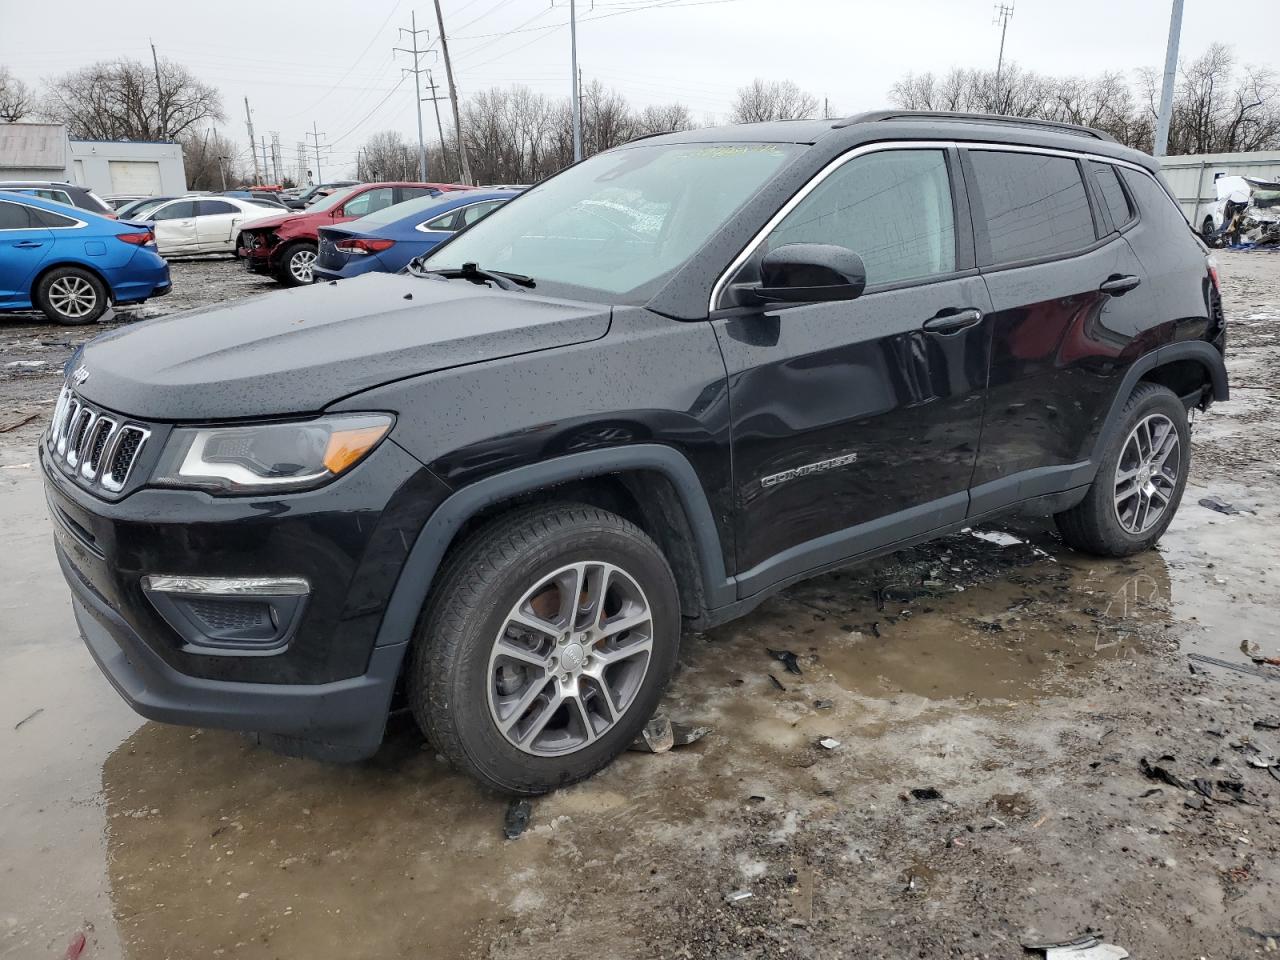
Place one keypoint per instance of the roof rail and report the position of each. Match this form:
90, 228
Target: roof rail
874, 116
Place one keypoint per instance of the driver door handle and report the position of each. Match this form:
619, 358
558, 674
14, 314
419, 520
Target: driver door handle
1118, 285
28, 244
952, 320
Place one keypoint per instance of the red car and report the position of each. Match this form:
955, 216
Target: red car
284, 245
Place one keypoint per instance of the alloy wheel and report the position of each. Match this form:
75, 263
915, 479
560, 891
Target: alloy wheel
570, 658
73, 297
301, 264
1147, 473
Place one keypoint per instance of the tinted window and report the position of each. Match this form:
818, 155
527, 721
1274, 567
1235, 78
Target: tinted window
411, 193
179, 210
211, 208
892, 208
48, 218
1113, 195
14, 216
1034, 206
369, 201
444, 222
478, 211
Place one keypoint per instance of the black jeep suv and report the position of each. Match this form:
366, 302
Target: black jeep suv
643, 396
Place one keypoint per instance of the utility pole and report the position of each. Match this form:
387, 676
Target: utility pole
316, 135
275, 157
164, 114
222, 171
416, 70
1004, 13
577, 82
253, 145
266, 165
453, 97
1170, 75
435, 102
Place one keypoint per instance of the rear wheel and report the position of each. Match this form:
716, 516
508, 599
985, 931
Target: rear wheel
71, 296
546, 647
1206, 228
296, 264
1140, 481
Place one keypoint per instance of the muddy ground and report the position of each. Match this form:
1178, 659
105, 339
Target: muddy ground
1024, 683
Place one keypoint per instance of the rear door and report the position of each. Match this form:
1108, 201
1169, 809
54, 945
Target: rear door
217, 222
24, 245
856, 423
175, 227
1069, 314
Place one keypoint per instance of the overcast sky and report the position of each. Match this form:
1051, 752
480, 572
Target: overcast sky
331, 62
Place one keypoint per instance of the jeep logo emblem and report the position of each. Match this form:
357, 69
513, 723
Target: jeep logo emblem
80, 375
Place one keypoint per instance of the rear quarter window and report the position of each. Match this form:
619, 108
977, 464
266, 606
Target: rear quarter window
1031, 205
1114, 197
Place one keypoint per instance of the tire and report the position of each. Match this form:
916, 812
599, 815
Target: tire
296, 263
1108, 521
1206, 228
464, 688
72, 296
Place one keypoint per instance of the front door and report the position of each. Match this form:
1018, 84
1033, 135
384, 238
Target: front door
175, 227
24, 244
856, 423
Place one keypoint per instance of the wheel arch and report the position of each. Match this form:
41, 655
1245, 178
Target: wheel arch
652, 485
46, 269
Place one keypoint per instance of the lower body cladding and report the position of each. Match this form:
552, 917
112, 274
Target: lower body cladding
257, 614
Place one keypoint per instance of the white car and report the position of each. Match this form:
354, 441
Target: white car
191, 225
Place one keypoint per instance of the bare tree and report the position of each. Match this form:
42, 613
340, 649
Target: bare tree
120, 100
387, 155
16, 98
668, 118
210, 160
772, 100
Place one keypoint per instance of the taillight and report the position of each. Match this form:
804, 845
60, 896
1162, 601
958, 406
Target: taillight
363, 247
1213, 275
137, 239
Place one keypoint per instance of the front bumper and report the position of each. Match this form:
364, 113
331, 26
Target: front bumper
325, 692
341, 721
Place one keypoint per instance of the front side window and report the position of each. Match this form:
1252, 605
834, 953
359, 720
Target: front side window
1033, 206
621, 222
369, 202
179, 210
892, 208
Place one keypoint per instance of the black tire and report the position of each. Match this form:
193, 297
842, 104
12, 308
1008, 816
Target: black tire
449, 670
1206, 228
51, 296
288, 273
1093, 525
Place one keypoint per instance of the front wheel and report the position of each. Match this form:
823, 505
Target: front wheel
546, 647
1206, 228
296, 264
1140, 480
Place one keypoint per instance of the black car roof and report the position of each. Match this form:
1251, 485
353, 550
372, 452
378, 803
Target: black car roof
917, 125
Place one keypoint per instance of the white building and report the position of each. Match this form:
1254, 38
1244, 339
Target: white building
1191, 177
43, 151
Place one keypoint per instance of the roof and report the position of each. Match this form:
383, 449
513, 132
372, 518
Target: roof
913, 125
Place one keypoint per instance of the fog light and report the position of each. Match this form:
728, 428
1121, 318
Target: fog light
224, 614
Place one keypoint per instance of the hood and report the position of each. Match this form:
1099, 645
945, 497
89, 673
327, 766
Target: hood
270, 220
297, 351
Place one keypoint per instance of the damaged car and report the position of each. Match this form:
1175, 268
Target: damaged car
1246, 213
638, 399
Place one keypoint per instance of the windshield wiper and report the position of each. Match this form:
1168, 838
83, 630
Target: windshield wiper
472, 272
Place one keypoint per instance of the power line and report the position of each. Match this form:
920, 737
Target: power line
378, 106
354, 62
417, 72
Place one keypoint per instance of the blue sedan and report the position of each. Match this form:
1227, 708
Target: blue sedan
73, 264
386, 241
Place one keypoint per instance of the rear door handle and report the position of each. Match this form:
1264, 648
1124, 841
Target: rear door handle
952, 320
27, 244
1119, 284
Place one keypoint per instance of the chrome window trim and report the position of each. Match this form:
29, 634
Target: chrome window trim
422, 227
981, 145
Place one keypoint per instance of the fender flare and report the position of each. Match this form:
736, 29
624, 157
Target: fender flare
1199, 350
437, 534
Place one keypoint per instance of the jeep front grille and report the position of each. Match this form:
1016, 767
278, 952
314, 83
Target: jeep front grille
96, 447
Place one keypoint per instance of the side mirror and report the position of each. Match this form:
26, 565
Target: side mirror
810, 273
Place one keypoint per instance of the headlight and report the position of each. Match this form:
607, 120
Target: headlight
266, 457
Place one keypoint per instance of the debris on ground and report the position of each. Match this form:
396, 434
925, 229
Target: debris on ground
21, 421
738, 895
786, 658
518, 813
1221, 506
828, 743
1259, 670
777, 683
659, 735
1087, 947
926, 793
1155, 772
30, 716
823, 704
75, 947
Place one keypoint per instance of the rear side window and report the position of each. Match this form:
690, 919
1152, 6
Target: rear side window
1032, 205
213, 208
48, 218
1113, 196
14, 216
892, 208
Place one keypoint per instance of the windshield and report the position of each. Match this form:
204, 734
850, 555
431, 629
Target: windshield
620, 222
332, 200
398, 211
